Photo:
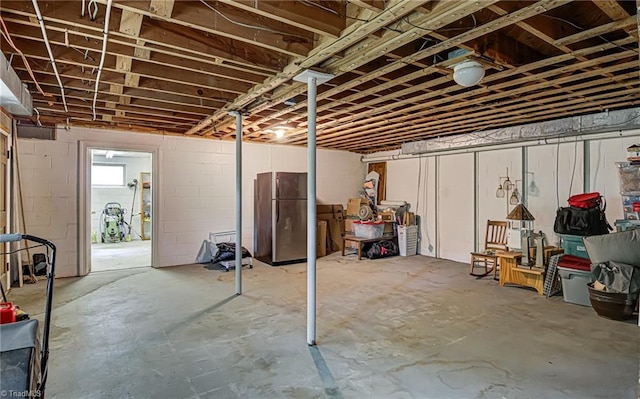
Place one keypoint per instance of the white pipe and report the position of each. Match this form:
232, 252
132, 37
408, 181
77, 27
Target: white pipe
238, 201
105, 33
529, 143
48, 46
311, 211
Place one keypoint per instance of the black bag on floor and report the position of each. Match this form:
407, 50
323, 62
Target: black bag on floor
581, 222
382, 249
227, 251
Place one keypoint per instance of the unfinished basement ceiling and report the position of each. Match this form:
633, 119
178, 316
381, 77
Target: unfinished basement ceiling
178, 67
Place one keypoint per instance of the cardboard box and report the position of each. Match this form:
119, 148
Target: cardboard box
333, 215
321, 238
353, 205
387, 216
388, 228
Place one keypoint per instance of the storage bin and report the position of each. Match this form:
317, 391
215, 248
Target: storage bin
628, 200
624, 224
629, 174
573, 245
368, 229
574, 285
632, 215
408, 240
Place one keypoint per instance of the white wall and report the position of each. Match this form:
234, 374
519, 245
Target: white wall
197, 184
455, 206
101, 195
446, 205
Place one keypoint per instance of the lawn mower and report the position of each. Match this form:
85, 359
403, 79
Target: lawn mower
23, 356
112, 224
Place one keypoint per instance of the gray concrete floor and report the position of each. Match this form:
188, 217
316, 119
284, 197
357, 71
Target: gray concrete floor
120, 255
392, 328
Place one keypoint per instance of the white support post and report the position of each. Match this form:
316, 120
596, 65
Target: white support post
312, 78
311, 211
238, 202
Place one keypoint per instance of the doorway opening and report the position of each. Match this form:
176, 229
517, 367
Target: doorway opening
120, 209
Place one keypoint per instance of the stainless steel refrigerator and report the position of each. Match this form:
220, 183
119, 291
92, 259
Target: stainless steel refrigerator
280, 217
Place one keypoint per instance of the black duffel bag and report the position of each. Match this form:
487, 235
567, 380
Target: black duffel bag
581, 222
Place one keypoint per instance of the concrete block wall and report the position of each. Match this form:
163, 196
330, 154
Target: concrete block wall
447, 187
196, 183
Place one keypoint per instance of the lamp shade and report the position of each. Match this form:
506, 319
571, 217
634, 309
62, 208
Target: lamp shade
468, 73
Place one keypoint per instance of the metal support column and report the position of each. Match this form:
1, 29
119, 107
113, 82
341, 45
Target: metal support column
311, 212
238, 201
312, 78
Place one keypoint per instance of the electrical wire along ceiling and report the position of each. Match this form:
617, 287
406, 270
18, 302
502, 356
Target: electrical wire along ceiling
404, 70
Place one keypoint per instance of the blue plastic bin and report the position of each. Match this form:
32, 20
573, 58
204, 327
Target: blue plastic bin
573, 245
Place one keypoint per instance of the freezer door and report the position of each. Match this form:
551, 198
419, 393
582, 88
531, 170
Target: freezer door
262, 217
290, 185
289, 230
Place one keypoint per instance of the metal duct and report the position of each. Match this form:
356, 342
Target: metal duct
608, 121
14, 95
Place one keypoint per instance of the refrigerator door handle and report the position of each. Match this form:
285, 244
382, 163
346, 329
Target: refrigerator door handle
277, 211
277, 193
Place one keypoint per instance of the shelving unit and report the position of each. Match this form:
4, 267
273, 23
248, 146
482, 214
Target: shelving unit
145, 205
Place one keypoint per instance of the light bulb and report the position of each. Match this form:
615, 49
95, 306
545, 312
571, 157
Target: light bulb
533, 189
513, 200
279, 133
508, 185
500, 192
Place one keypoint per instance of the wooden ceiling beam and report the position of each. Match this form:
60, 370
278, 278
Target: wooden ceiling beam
78, 79
440, 16
386, 114
499, 23
373, 5
323, 21
465, 37
353, 34
72, 58
132, 111
597, 31
223, 50
563, 109
462, 112
157, 34
143, 97
273, 36
541, 35
612, 9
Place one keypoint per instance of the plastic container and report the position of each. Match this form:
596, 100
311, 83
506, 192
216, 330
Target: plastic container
624, 225
629, 174
408, 240
573, 245
574, 285
612, 305
628, 200
7, 313
368, 229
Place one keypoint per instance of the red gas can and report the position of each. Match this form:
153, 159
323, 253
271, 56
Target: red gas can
7, 313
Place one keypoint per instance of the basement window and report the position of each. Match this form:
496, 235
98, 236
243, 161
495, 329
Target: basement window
107, 174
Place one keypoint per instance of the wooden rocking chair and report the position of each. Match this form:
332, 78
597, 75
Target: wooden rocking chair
495, 241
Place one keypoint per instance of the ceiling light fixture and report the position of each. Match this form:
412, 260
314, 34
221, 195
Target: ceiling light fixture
279, 133
468, 73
